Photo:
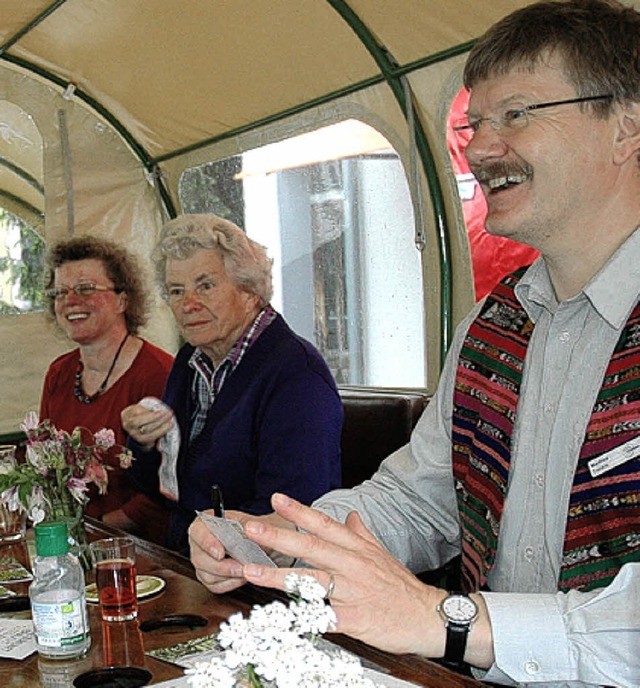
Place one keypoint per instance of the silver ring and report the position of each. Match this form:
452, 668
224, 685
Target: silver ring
330, 587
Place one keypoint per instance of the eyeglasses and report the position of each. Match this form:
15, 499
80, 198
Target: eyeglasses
512, 116
175, 294
84, 290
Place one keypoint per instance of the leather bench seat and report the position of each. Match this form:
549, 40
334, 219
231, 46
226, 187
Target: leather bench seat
376, 423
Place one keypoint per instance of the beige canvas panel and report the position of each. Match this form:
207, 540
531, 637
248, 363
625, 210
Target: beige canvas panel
179, 73
20, 156
27, 343
16, 14
110, 196
176, 74
414, 29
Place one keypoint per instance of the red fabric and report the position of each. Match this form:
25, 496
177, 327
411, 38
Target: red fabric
146, 377
492, 257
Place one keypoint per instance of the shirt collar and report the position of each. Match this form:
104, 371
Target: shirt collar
613, 291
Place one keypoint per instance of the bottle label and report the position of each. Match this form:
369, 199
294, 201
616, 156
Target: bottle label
60, 624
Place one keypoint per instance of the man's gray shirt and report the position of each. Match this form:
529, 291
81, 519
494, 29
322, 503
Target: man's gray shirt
541, 637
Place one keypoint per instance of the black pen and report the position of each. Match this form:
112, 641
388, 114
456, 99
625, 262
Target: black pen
216, 499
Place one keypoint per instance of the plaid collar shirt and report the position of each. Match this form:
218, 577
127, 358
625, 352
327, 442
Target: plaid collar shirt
208, 381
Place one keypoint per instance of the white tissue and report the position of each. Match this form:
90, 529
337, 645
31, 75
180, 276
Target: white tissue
168, 446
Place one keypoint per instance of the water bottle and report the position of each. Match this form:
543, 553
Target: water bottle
57, 593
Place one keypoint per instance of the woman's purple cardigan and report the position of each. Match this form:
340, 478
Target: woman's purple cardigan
274, 427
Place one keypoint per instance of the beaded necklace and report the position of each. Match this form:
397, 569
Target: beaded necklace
80, 395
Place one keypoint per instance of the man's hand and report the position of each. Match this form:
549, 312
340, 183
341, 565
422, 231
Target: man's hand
214, 569
375, 597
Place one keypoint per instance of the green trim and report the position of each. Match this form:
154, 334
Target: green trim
31, 25
23, 174
435, 58
391, 74
388, 66
270, 119
137, 148
383, 58
22, 203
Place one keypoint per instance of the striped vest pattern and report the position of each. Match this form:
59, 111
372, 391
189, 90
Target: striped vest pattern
603, 521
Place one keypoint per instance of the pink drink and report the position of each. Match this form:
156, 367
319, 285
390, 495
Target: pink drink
116, 583
122, 644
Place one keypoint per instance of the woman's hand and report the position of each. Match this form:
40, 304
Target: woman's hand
146, 426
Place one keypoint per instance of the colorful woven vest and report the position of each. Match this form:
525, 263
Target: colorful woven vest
603, 523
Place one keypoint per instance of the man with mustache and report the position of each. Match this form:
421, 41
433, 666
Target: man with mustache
527, 459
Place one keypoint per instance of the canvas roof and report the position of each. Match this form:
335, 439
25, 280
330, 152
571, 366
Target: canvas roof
176, 74
104, 104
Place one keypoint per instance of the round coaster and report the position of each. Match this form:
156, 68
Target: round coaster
148, 585
145, 587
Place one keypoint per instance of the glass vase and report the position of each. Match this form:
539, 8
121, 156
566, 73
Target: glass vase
13, 523
72, 512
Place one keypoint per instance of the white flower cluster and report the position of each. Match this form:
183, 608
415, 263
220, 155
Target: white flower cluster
276, 646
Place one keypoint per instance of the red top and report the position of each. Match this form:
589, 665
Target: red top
146, 377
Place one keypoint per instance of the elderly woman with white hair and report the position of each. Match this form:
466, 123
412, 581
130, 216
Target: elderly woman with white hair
256, 407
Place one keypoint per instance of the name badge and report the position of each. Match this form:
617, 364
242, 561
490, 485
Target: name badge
606, 462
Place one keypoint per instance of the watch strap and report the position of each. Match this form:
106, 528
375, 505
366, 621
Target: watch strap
456, 644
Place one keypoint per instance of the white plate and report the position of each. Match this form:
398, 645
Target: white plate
145, 587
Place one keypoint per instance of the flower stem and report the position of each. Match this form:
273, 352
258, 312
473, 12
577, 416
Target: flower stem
254, 679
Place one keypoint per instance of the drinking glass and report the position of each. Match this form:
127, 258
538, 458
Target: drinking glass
122, 643
12, 523
115, 568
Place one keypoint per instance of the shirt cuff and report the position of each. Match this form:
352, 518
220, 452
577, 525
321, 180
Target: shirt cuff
529, 637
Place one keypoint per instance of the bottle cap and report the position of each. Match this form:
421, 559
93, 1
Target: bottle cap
52, 539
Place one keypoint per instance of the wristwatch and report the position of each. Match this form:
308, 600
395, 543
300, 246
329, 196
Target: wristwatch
458, 611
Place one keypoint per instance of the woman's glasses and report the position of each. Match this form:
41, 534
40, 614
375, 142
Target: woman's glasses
84, 290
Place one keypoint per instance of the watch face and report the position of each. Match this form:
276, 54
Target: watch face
459, 608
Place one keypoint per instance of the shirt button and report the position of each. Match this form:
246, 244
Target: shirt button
528, 553
548, 408
531, 667
564, 337
540, 480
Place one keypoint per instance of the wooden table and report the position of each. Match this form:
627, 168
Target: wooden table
124, 643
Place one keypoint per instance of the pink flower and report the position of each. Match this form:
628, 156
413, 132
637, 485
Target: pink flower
78, 489
36, 456
30, 422
96, 473
36, 504
59, 465
105, 438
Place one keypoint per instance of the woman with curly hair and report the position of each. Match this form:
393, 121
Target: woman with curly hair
98, 298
